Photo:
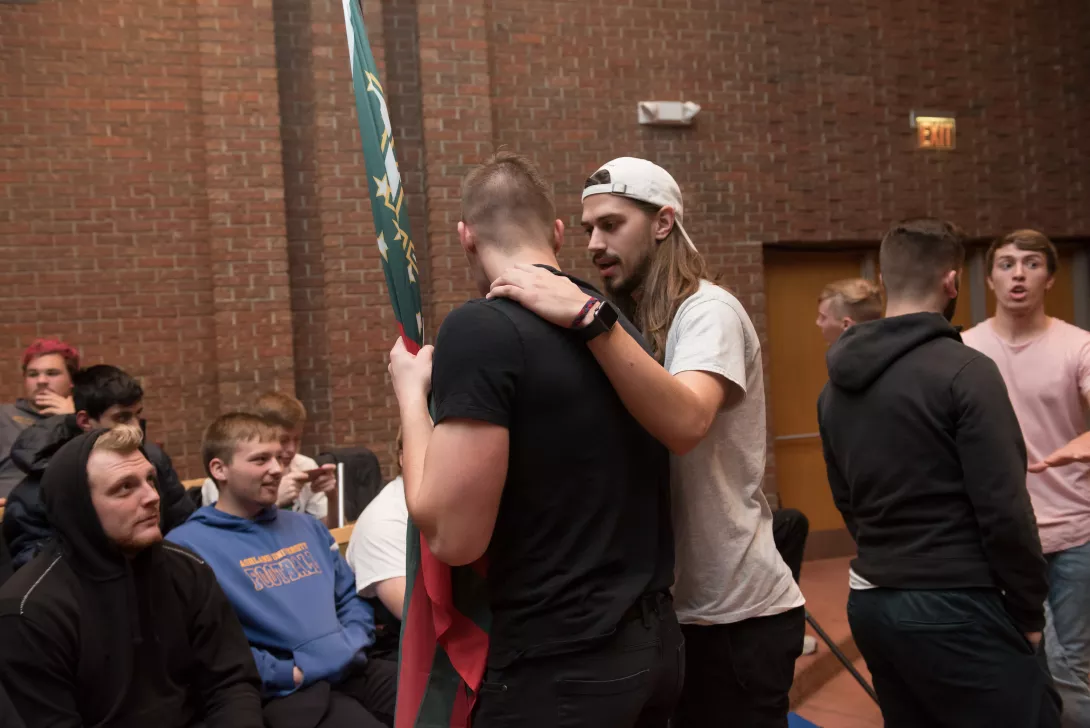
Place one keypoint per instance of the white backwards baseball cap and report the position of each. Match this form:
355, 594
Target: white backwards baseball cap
639, 179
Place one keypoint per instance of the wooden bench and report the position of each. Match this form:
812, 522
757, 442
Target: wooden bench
342, 536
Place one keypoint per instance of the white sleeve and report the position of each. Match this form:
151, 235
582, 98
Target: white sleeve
311, 503
376, 551
209, 492
710, 338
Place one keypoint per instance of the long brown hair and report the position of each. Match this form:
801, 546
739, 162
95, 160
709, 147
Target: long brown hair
674, 274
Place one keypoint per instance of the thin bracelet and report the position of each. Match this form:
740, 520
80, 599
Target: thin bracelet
591, 303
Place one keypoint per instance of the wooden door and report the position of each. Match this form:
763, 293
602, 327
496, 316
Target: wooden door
797, 373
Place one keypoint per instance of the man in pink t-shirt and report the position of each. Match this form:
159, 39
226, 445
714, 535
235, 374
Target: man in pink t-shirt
1046, 365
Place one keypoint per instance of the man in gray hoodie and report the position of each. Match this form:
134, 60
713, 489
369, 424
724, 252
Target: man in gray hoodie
49, 366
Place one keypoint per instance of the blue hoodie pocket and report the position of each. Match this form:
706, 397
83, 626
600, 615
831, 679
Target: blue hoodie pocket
326, 657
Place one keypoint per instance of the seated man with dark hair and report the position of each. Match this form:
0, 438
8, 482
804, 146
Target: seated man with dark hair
109, 626
292, 590
105, 397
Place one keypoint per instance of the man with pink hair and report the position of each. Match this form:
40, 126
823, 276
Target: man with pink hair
49, 365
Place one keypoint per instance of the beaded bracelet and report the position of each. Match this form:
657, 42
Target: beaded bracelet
591, 303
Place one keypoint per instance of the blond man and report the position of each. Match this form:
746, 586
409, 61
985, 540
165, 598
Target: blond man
844, 304
304, 485
108, 625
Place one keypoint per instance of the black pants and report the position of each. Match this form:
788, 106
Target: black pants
364, 699
790, 528
740, 674
950, 659
632, 680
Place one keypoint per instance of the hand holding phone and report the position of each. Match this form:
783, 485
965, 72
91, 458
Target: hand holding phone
322, 479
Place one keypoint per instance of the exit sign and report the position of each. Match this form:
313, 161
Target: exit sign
934, 131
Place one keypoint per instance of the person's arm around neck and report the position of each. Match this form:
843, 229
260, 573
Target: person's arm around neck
678, 410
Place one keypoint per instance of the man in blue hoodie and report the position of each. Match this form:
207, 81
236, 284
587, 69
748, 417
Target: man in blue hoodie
294, 593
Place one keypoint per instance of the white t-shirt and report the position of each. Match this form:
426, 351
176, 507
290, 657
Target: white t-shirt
377, 549
316, 504
728, 568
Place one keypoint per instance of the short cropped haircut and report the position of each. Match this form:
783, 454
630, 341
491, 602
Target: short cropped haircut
916, 253
124, 440
857, 298
222, 437
98, 388
507, 190
281, 409
1028, 240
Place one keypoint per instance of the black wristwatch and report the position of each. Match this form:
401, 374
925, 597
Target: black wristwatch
604, 319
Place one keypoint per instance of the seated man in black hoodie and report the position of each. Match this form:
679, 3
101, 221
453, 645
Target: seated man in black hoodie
104, 397
928, 467
108, 626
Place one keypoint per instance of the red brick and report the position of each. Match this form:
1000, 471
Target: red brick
222, 191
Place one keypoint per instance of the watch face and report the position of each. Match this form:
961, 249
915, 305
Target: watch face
607, 314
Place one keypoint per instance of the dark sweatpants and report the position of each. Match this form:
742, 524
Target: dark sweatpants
365, 699
951, 659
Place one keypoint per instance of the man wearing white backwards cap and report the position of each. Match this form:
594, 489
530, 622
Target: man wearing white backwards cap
741, 612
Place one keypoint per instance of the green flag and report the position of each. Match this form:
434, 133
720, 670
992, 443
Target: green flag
388, 204
444, 634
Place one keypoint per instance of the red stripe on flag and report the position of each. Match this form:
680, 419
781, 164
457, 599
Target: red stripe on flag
410, 345
432, 619
418, 645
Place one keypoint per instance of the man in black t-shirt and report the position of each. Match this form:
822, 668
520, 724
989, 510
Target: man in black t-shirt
534, 460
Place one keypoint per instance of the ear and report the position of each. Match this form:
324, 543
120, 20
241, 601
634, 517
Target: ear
83, 421
218, 469
465, 237
847, 322
1050, 283
558, 236
664, 223
950, 284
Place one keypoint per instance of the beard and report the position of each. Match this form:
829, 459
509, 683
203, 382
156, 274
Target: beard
623, 294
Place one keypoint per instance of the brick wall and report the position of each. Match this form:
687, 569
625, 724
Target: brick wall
182, 190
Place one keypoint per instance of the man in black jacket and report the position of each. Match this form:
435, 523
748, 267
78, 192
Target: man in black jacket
104, 397
928, 467
109, 626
